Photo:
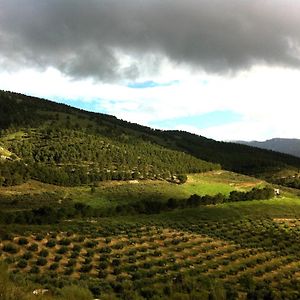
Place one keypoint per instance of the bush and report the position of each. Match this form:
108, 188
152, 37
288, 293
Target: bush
182, 178
27, 255
74, 254
22, 263
22, 241
105, 250
86, 268
90, 253
54, 266
76, 248
102, 274
69, 271
116, 262
90, 244
71, 263
41, 261
44, 253
64, 242
10, 248
33, 247
62, 250
103, 265
57, 258
39, 237
51, 244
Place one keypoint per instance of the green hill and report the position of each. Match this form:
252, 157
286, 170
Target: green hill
61, 145
58, 144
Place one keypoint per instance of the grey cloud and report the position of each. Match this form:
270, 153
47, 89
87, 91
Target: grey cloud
85, 38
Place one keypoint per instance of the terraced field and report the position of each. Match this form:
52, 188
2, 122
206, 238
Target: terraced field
244, 256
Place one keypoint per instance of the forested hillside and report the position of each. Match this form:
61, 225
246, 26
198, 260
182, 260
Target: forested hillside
235, 157
59, 144
65, 146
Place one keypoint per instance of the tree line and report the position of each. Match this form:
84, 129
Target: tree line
156, 206
68, 210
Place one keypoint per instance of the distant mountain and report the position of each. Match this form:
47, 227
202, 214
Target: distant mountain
288, 146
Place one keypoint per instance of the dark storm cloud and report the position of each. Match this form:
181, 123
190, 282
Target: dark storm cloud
86, 38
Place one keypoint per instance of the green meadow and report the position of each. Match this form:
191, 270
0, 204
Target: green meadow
210, 183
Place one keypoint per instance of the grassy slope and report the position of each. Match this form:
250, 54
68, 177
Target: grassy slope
211, 183
117, 192
284, 207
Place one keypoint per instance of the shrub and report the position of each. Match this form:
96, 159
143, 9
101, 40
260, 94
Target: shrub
116, 262
41, 261
64, 242
86, 268
57, 258
103, 265
39, 237
69, 271
107, 241
44, 253
22, 263
117, 271
33, 247
62, 250
118, 246
87, 261
71, 263
131, 259
22, 241
76, 248
105, 250
53, 266
90, 244
74, 254
102, 274
90, 253
27, 255
10, 248
51, 243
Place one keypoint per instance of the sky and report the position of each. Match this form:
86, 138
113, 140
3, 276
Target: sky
227, 70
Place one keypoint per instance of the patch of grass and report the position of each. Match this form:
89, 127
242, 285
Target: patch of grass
210, 183
112, 193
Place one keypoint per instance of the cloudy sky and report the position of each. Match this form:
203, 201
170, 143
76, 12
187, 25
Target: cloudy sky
225, 69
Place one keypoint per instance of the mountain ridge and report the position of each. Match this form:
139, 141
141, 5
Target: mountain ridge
284, 145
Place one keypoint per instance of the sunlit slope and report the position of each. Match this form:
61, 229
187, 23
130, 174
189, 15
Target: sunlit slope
35, 120
113, 193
